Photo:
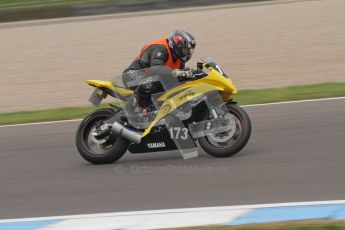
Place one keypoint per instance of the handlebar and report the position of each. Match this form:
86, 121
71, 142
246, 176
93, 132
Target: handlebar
200, 75
190, 74
196, 76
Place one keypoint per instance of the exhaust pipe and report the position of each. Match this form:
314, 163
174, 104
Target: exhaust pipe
121, 130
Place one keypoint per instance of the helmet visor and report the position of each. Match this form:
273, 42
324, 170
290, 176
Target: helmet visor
186, 51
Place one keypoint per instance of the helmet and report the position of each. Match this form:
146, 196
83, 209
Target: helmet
182, 44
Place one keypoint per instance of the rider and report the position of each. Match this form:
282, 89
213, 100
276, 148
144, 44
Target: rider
172, 52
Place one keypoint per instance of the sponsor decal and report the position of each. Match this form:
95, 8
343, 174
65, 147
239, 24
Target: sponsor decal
156, 145
166, 108
187, 94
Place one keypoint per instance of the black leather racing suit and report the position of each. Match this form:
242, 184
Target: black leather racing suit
156, 55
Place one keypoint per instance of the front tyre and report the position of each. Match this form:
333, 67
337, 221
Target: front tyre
101, 150
231, 142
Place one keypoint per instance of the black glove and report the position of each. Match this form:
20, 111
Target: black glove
183, 73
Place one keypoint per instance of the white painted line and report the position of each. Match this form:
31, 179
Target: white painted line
299, 101
253, 105
41, 123
181, 210
151, 221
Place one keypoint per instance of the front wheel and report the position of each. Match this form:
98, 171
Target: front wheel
104, 149
229, 143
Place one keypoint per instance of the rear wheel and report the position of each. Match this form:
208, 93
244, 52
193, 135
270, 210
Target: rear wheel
229, 143
99, 149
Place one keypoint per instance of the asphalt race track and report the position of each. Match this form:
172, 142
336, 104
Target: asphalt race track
296, 153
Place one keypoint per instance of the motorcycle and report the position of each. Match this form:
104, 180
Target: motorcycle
190, 112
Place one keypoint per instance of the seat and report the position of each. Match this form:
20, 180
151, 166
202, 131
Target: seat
110, 86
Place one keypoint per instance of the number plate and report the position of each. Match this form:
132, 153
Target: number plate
97, 97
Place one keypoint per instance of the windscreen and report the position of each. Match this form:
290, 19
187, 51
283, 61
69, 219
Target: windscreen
209, 61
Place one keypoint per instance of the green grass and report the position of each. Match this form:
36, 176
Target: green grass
322, 227
243, 97
18, 10
291, 93
30, 3
295, 225
43, 115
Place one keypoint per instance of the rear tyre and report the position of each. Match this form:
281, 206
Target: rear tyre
105, 150
229, 143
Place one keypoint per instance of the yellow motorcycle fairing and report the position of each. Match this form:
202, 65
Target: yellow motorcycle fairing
213, 78
110, 86
191, 90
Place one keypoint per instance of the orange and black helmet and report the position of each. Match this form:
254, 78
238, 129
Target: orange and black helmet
182, 44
